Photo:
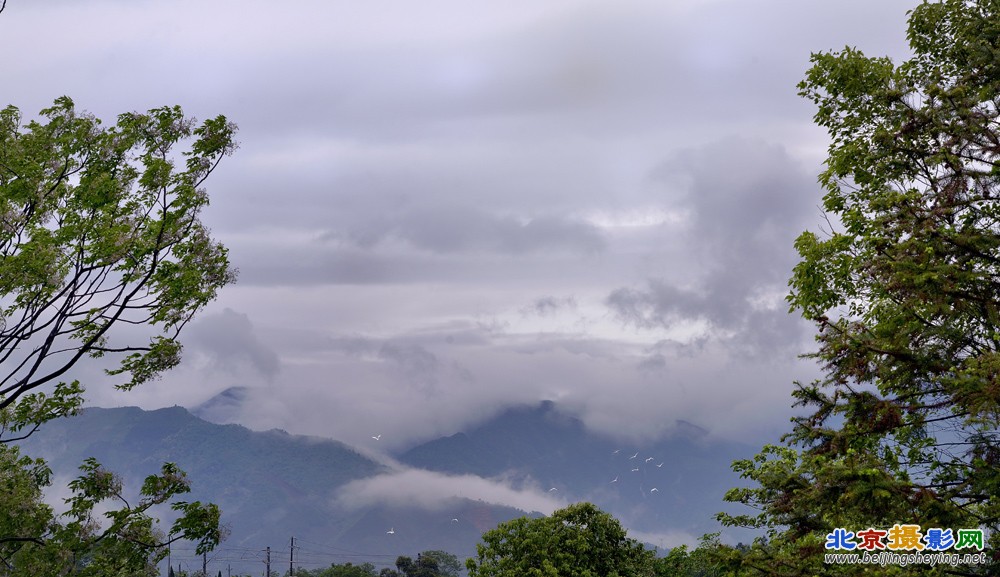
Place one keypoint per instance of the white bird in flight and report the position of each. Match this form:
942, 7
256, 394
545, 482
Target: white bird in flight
377, 437
634, 470
653, 490
615, 480
553, 489
391, 531
648, 459
635, 455
660, 465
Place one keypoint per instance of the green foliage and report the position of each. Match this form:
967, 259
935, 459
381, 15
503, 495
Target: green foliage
423, 566
709, 559
448, 565
126, 542
578, 541
344, 570
99, 228
427, 564
903, 427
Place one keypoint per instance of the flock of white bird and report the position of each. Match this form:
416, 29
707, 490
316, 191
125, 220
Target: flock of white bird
636, 469
392, 530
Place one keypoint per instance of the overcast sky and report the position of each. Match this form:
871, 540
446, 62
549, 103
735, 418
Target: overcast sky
440, 208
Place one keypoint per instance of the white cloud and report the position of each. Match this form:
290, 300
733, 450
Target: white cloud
436, 491
665, 540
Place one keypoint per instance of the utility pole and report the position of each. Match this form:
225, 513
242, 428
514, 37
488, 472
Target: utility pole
267, 563
291, 557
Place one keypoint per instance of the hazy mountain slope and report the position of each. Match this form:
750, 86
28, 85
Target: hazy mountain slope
142, 440
689, 471
270, 485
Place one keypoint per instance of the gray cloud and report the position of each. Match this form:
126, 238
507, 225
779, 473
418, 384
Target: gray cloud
745, 203
354, 346
415, 364
549, 305
229, 341
450, 229
657, 304
654, 362
420, 188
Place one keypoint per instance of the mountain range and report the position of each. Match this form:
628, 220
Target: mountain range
342, 505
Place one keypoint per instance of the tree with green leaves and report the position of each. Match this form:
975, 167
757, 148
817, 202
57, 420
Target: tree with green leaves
434, 563
702, 561
102, 256
340, 570
577, 541
904, 290
420, 567
448, 565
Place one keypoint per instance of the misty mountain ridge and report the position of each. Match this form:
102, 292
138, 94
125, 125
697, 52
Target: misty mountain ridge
673, 484
272, 485
223, 407
541, 447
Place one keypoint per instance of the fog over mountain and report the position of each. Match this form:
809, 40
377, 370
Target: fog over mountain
442, 209
340, 503
272, 486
